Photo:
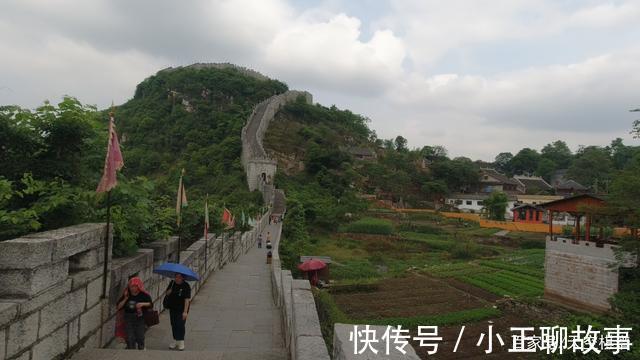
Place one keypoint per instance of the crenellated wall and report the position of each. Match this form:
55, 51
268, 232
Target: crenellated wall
254, 157
51, 304
580, 274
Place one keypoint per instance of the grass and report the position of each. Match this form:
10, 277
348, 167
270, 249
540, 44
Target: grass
496, 276
369, 226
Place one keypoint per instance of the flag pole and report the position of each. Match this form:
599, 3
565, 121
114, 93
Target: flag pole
206, 232
105, 267
180, 222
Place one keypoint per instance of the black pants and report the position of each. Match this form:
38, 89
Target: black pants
177, 324
135, 328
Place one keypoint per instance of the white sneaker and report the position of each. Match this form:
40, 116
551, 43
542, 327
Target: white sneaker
172, 345
181, 345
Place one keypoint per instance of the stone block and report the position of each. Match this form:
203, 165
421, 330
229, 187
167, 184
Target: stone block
94, 292
160, 250
86, 260
8, 312
45, 297
305, 320
22, 334
74, 330
25, 253
343, 347
29, 282
3, 344
311, 347
51, 346
108, 331
90, 321
72, 240
61, 311
301, 284
24, 356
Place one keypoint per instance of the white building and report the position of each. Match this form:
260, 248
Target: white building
474, 203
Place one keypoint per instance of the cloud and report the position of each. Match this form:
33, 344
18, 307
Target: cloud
404, 64
330, 54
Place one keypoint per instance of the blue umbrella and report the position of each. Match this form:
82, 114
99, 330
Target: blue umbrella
171, 269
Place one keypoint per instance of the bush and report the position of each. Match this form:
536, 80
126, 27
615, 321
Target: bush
466, 250
369, 226
420, 228
533, 244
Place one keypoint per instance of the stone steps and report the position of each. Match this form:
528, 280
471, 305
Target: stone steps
113, 354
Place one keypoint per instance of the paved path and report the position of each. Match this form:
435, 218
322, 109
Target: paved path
233, 313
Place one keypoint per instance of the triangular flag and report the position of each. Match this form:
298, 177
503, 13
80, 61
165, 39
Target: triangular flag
226, 217
113, 161
181, 200
243, 221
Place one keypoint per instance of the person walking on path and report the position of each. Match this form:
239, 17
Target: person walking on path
130, 319
260, 241
178, 301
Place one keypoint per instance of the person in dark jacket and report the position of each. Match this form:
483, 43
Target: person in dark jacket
179, 299
134, 302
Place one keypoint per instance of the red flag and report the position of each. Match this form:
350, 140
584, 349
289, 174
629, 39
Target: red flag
112, 162
226, 217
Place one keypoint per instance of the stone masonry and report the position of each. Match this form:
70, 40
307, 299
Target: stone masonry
580, 275
51, 301
257, 164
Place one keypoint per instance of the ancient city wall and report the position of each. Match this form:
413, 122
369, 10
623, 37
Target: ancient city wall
301, 325
254, 157
51, 301
580, 275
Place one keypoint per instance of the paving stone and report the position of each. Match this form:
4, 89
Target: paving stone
8, 311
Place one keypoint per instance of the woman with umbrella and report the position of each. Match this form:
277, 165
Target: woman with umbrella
177, 299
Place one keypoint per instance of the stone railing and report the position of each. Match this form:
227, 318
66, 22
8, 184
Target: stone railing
301, 325
51, 301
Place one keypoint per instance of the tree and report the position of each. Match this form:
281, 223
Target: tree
558, 152
400, 143
545, 169
502, 161
592, 166
435, 189
434, 153
496, 205
525, 162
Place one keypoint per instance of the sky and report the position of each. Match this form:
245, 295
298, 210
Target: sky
478, 77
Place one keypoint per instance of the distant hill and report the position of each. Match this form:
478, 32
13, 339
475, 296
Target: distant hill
191, 117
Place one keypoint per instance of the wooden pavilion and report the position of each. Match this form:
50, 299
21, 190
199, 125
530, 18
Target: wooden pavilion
577, 206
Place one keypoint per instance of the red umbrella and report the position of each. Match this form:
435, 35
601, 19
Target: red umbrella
311, 265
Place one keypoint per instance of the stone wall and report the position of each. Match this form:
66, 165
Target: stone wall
51, 303
580, 275
301, 325
254, 157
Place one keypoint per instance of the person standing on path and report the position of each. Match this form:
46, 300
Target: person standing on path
179, 299
260, 241
133, 303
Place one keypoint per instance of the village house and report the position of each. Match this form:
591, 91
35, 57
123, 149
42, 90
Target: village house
528, 213
491, 180
474, 203
533, 184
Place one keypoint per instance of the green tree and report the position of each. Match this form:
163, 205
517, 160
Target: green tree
502, 160
591, 167
400, 143
559, 153
496, 205
525, 161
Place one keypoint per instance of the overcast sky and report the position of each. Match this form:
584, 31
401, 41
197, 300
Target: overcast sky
478, 77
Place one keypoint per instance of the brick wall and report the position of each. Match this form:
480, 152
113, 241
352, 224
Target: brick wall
580, 275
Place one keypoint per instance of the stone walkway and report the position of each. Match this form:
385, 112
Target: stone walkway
233, 313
